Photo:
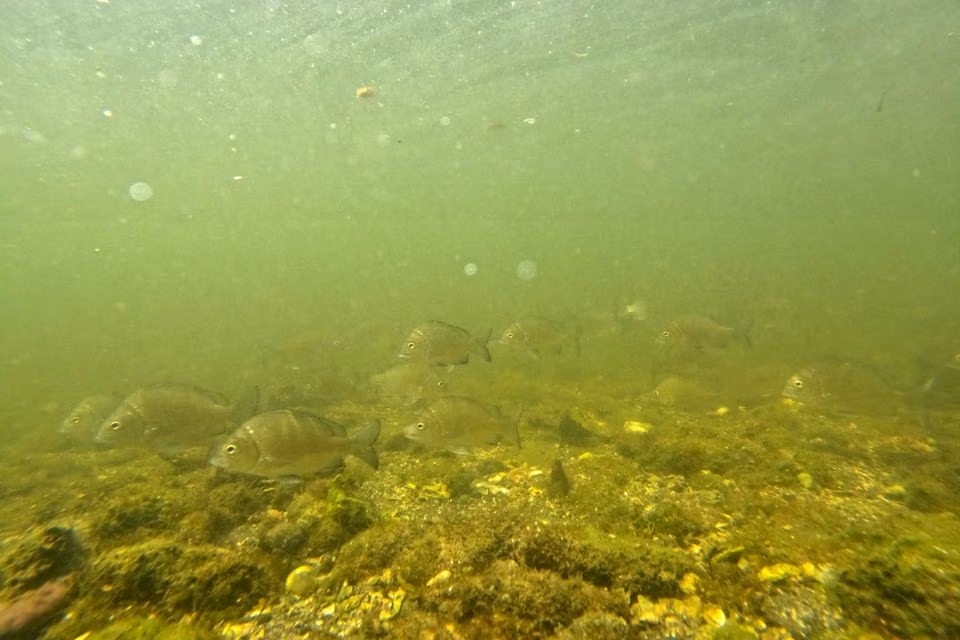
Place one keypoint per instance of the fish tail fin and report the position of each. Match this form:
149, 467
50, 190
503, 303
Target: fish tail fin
362, 443
480, 345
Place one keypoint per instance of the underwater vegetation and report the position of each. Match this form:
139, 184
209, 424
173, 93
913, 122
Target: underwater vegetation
626, 520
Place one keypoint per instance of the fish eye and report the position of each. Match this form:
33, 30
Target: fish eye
420, 426
510, 335
411, 346
665, 334
75, 420
115, 426
797, 383
230, 449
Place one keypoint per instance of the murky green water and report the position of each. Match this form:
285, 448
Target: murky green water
791, 168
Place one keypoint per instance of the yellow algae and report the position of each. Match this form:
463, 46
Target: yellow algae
779, 572
441, 577
438, 490
714, 615
393, 604
689, 582
302, 581
486, 488
635, 426
894, 492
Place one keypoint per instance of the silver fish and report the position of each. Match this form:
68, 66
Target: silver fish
459, 424
940, 387
83, 422
409, 383
636, 311
843, 387
691, 332
686, 395
438, 343
293, 443
168, 418
539, 336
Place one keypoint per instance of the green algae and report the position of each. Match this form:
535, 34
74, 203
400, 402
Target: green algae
441, 544
911, 584
178, 578
150, 629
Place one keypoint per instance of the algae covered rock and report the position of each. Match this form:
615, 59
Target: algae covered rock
37, 556
178, 578
913, 585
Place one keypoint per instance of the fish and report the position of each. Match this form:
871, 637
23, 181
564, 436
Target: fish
538, 336
691, 332
438, 343
84, 420
686, 395
636, 311
939, 387
168, 418
293, 443
845, 387
459, 424
322, 348
409, 383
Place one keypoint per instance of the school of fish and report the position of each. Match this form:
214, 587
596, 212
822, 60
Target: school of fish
290, 437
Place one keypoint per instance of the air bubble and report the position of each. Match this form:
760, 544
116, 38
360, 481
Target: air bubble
140, 191
527, 270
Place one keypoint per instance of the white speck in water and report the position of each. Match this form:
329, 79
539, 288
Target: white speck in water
316, 45
470, 268
445, 121
140, 191
33, 135
527, 270
529, 121
196, 41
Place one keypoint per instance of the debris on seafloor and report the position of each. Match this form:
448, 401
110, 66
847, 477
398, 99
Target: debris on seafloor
35, 608
559, 482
